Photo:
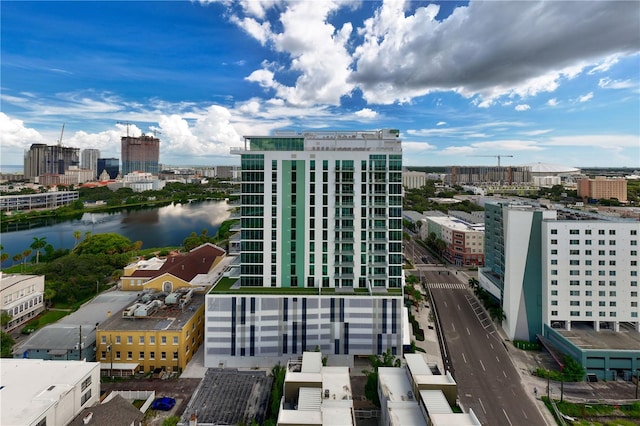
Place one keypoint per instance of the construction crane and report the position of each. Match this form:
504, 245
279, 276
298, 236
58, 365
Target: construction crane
155, 131
494, 156
125, 123
61, 134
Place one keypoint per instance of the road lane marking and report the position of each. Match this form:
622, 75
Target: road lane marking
464, 358
497, 359
445, 304
468, 332
482, 405
505, 414
490, 344
505, 374
524, 414
459, 307
483, 369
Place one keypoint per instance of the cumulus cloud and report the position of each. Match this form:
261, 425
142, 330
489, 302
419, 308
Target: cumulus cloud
552, 102
15, 135
409, 55
366, 113
441, 123
522, 107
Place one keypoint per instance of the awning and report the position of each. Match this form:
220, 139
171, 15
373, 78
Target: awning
119, 365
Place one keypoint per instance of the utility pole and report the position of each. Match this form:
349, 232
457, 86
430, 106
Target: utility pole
80, 345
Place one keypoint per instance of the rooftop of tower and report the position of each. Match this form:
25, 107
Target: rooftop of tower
367, 140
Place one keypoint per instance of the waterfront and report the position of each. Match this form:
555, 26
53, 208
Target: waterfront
154, 226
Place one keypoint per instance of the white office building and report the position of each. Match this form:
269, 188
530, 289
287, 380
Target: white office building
37, 392
321, 250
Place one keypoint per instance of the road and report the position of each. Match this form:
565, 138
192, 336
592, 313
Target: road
487, 381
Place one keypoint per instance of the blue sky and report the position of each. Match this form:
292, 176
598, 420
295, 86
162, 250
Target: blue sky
553, 82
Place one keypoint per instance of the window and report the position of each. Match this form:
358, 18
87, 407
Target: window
612, 252
163, 340
612, 293
85, 383
554, 272
554, 313
117, 340
141, 355
554, 292
554, 251
574, 262
634, 232
575, 313
612, 303
554, 261
152, 355
554, 282
103, 355
117, 354
152, 340
129, 355
129, 340
588, 293
574, 293
175, 355
163, 355
574, 252
600, 231
574, 282
587, 231
103, 340
574, 231
612, 242
554, 242
175, 340
554, 303
85, 397
141, 340
554, 231
612, 232
574, 303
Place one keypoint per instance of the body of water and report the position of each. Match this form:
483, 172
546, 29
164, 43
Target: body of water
154, 226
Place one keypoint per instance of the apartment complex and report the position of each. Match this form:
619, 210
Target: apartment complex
42, 159
509, 175
464, 240
46, 200
603, 188
141, 154
569, 277
320, 250
89, 160
413, 179
22, 297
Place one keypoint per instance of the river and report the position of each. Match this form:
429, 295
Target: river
154, 226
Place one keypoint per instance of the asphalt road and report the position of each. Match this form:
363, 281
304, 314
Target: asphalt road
487, 381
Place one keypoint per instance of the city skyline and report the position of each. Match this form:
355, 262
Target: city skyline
543, 81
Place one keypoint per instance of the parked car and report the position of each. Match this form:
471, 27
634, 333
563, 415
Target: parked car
165, 403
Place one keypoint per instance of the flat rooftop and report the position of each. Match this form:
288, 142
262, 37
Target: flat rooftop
167, 317
228, 397
587, 338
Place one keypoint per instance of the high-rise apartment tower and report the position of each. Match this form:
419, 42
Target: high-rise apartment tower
141, 153
321, 250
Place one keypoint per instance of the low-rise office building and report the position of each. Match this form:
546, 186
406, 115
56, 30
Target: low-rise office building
22, 297
37, 392
464, 241
158, 331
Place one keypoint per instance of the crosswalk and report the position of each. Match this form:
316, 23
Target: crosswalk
457, 286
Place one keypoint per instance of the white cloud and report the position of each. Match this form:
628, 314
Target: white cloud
536, 132
605, 64
14, 134
552, 102
607, 141
586, 98
522, 107
366, 113
543, 43
607, 83
441, 123
508, 145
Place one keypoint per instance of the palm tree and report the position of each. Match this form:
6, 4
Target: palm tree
17, 258
77, 235
4, 256
37, 244
25, 256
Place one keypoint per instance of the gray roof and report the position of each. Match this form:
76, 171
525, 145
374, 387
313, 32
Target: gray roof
100, 308
117, 411
228, 396
58, 337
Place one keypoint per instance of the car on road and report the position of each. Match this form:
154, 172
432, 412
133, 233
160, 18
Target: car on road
164, 404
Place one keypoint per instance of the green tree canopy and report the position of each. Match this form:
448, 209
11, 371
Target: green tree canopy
104, 244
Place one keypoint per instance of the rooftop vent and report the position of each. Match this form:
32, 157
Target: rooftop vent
326, 393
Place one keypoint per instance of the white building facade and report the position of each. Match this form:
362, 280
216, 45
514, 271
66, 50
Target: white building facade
590, 273
321, 245
22, 297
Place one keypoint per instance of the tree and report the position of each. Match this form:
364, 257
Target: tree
4, 256
6, 345
5, 318
25, 256
17, 258
76, 236
386, 359
37, 244
109, 243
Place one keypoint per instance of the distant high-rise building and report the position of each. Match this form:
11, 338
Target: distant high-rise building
90, 160
461, 175
321, 250
43, 159
140, 154
603, 188
110, 165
